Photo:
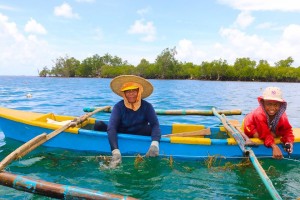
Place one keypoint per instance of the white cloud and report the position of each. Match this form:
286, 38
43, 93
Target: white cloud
143, 28
98, 34
289, 44
21, 55
238, 44
291, 34
9, 29
263, 5
244, 19
33, 27
3, 7
240, 39
186, 51
65, 10
143, 11
85, 1
268, 25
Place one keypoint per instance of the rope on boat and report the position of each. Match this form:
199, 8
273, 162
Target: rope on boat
292, 159
185, 156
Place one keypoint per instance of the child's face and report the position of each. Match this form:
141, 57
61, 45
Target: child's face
271, 107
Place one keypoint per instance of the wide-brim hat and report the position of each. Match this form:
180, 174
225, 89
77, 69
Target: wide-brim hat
273, 94
117, 83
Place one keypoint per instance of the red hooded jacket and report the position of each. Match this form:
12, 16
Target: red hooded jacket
257, 122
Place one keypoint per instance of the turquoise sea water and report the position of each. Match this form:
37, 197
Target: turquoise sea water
153, 178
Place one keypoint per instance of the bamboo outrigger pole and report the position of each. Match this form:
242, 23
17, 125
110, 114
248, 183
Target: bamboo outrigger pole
54, 190
42, 138
181, 112
248, 152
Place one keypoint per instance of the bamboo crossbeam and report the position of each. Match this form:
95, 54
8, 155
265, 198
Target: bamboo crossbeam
237, 126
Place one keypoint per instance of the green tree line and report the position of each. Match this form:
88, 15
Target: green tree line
166, 66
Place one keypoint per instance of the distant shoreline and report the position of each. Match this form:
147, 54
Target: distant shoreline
254, 81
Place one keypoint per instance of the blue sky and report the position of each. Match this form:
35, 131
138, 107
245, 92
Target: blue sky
34, 33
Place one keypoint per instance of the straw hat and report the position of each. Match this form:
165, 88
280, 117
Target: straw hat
117, 83
272, 93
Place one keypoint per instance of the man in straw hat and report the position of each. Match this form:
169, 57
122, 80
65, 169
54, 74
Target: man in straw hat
269, 120
132, 115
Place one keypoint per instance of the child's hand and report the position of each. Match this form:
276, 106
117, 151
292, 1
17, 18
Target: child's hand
277, 154
288, 147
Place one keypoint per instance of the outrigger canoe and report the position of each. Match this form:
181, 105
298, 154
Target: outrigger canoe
76, 133
23, 126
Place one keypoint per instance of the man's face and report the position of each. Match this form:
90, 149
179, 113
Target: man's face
131, 95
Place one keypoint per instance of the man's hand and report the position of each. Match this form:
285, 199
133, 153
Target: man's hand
153, 150
116, 159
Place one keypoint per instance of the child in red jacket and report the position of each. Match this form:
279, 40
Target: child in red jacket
269, 120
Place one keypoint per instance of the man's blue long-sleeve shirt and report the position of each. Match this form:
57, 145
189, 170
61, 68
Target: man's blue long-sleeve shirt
141, 122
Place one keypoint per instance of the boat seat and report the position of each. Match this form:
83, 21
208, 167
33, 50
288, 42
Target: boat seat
179, 128
296, 132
